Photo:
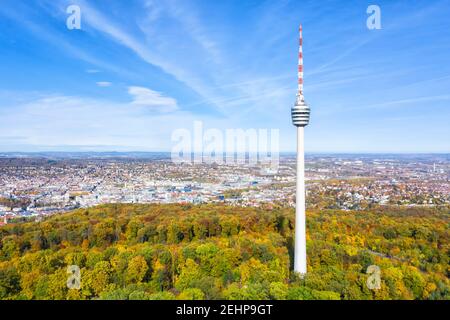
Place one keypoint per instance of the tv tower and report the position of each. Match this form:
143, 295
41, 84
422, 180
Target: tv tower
300, 118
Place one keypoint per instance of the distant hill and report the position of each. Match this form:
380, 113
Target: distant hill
218, 252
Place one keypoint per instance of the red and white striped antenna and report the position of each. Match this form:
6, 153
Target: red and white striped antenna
300, 66
300, 111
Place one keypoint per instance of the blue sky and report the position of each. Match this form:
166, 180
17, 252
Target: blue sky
137, 70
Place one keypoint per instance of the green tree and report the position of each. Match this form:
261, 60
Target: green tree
190, 272
278, 290
191, 294
137, 269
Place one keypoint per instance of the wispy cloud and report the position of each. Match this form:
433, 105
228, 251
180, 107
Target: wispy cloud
146, 52
104, 83
146, 121
401, 102
152, 100
192, 25
411, 103
56, 38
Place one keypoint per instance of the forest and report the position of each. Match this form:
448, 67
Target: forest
173, 251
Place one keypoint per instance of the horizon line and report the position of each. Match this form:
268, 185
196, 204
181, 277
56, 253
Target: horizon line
246, 152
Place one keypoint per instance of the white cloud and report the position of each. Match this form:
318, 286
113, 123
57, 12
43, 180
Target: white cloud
153, 100
59, 120
104, 84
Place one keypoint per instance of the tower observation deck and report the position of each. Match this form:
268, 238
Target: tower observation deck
300, 111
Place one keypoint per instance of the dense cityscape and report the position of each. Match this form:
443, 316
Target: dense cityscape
40, 185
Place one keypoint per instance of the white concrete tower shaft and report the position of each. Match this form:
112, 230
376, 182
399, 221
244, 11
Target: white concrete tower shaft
300, 118
300, 208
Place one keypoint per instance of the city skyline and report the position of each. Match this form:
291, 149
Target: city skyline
136, 72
